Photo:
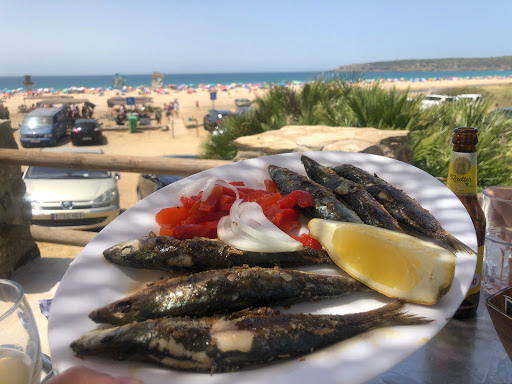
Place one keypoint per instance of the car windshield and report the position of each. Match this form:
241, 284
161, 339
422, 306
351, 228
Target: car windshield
64, 173
37, 121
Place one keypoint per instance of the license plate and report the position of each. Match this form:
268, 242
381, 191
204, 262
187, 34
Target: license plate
35, 141
67, 216
86, 138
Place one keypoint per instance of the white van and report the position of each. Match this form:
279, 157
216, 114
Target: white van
431, 100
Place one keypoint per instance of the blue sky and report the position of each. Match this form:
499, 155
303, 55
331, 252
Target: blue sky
194, 36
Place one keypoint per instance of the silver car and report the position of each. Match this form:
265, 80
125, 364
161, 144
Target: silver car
72, 198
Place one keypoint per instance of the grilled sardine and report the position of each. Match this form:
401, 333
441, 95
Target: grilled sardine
327, 206
202, 254
214, 344
225, 291
402, 207
353, 194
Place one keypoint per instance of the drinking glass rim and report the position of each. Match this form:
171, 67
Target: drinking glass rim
18, 301
495, 197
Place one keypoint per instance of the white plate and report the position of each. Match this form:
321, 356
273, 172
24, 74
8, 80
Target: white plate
91, 282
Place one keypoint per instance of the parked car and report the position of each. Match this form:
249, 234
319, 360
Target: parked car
148, 183
86, 131
43, 126
470, 97
431, 100
243, 106
72, 198
214, 117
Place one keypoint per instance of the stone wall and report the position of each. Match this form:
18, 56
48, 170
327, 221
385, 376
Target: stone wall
13, 210
303, 138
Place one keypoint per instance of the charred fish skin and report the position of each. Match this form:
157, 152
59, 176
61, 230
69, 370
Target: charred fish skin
244, 339
327, 206
202, 254
179, 343
223, 291
353, 194
402, 207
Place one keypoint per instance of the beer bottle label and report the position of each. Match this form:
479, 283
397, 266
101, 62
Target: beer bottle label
477, 278
462, 174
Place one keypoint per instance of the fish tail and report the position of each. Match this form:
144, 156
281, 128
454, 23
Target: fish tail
390, 315
455, 245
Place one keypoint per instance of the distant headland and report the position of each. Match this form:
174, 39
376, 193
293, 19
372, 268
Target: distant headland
503, 63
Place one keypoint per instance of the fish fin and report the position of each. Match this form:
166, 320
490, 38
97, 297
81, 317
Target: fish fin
455, 245
390, 315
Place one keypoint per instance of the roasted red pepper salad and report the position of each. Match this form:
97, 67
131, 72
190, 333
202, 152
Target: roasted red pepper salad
243, 217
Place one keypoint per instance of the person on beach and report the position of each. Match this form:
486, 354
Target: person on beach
197, 103
168, 112
158, 116
176, 108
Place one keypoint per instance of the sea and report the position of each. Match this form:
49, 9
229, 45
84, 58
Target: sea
106, 81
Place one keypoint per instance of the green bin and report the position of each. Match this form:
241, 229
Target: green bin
132, 121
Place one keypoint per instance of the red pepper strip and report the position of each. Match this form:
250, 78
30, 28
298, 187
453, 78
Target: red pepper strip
225, 202
270, 186
229, 192
165, 231
308, 241
188, 231
170, 217
187, 202
265, 202
203, 218
208, 206
237, 183
246, 191
290, 226
302, 198
257, 195
279, 216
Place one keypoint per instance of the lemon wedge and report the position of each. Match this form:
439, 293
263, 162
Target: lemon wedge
392, 263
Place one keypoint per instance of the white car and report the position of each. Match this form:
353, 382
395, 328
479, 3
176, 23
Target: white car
72, 198
470, 97
431, 100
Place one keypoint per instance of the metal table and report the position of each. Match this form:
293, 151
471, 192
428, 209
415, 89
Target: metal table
464, 351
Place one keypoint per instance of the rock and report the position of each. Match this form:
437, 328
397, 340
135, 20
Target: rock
14, 209
304, 138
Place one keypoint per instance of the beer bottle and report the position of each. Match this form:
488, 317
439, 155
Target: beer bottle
462, 180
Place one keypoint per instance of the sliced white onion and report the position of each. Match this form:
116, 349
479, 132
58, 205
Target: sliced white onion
193, 187
247, 228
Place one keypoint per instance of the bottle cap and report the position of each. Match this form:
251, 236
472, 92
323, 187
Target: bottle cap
465, 135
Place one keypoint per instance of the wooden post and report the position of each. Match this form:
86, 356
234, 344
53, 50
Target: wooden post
172, 127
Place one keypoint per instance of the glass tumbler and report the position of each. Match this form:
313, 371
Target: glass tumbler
497, 264
20, 350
